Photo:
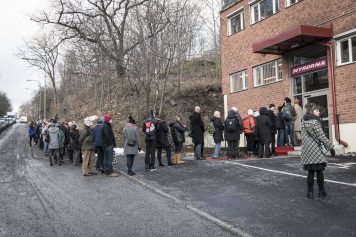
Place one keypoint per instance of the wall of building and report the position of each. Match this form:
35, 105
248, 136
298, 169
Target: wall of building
236, 53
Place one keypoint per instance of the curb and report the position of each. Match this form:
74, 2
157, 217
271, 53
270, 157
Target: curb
222, 224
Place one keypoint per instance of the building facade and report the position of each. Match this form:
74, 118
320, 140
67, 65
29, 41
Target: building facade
271, 49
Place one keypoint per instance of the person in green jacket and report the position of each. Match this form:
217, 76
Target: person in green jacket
86, 141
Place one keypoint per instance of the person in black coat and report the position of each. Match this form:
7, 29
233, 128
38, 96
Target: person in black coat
280, 127
232, 134
218, 133
109, 143
197, 127
177, 131
272, 116
263, 132
162, 142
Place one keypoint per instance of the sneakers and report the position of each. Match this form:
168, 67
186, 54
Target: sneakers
153, 168
310, 195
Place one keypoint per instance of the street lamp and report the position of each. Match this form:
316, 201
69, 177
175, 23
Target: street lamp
39, 106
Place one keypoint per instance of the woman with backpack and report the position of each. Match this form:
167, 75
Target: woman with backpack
177, 132
232, 134
131, 143
216, 128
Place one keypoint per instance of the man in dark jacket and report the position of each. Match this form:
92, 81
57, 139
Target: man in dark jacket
272, 116
263, 132
232, 134
149, 128
109, 143
97, 135
289, 115
197, 129
162, 142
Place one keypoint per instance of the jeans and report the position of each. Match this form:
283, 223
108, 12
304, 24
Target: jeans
168, 152
198, 151
108, 159
280, 137
45, 148
100, 157
233, 149
150, 154
76, 157
130, 160
289, 131
217, 150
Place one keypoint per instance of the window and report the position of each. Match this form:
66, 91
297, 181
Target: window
238, 81
292, 2
236, 22
267, 73
346, 50
263, 9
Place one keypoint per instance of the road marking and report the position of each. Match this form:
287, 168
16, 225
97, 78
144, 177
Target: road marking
233, 229
342, 165
287, 173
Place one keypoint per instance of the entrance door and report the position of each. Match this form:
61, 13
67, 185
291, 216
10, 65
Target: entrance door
321, 99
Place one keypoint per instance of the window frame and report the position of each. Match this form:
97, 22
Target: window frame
278, 73
239, 12
338, 50
243, 77
257, 3
289, 4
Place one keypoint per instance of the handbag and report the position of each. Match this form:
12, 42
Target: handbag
130, 142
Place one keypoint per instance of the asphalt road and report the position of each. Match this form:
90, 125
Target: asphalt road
39, 200
262, 197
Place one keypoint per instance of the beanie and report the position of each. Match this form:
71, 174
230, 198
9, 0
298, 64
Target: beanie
107, 118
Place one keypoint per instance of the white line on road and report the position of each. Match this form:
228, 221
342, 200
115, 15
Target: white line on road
287, 173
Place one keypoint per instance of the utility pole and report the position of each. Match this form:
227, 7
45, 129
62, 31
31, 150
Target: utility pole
44, 101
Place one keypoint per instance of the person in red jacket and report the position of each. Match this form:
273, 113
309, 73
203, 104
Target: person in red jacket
249, 124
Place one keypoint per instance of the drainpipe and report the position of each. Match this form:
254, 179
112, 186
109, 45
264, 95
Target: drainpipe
331, 60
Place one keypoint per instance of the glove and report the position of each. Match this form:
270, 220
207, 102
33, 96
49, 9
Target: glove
332, 152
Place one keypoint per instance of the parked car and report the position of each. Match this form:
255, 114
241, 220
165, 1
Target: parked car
3, 125
23, 119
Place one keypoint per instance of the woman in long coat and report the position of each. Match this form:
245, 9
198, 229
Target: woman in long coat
131, 143
177, 132
264, 132
313, 158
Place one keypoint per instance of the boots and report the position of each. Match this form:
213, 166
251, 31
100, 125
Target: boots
178, 160
310, 195
322, 194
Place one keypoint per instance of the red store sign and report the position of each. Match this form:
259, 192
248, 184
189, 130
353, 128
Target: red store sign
309, 67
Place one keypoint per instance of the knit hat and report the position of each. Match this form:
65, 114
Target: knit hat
107, 118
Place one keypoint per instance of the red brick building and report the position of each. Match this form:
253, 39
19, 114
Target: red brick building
271, 49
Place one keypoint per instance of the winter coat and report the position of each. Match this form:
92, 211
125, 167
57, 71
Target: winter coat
298, 118
151, 135
313, 137
219, 128
130, 131
249, 123
86, 140
54, 137
108, 138
162, 134
292, 111
197, 127
74, 138
272, 116
31, 132
263, 127
177, 132
97, 134
232, 136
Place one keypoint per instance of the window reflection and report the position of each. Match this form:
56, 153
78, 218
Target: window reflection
316, 81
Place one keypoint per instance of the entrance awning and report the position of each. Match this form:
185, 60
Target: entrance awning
291, 39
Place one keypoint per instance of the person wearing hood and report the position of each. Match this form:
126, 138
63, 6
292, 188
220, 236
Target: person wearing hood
312, 158
162, 142
75, 145
109, 143
232, 134
86, 142
53, 145
249, 123
131, 141
218, 133
263, 131
149, 128
197, 133
98, 141
177, 132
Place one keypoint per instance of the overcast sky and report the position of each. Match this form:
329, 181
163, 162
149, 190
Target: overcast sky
15, 26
